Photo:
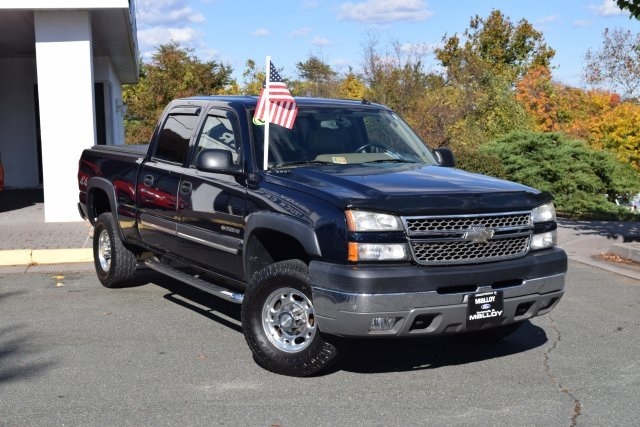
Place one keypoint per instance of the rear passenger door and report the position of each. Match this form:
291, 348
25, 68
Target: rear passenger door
159, 178
211, 211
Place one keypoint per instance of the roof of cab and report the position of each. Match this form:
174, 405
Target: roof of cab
251, 100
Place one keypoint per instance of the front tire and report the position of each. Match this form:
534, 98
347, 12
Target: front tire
278, 319
115, 264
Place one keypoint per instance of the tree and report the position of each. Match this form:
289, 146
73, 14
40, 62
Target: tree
173, 72
584, 182
394, 77
481, 71
617, 131
318, 77
536, 92
616, 63
507, 49
351, 86
633, 6
253, 79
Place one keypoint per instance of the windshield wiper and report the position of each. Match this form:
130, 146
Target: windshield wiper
302, 163
391, 161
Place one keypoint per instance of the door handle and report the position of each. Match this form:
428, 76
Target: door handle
185, 187
148, 180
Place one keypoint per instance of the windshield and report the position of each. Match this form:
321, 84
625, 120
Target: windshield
334, 135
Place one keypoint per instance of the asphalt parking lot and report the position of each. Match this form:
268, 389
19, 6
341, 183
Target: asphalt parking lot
75, 353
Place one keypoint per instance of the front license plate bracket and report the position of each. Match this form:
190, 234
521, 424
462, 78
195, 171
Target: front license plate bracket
486, 308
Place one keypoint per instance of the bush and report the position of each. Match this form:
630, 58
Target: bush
584, 182
474, 160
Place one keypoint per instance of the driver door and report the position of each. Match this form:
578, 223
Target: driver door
212, 205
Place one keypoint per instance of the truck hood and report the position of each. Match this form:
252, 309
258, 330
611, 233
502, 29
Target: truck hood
409, 189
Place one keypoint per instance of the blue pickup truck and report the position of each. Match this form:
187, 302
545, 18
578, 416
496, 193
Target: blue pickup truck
353, 227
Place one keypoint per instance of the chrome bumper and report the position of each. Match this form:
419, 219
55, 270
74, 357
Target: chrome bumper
345, 308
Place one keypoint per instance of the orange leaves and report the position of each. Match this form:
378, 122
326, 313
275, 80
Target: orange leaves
536, 93
597, 116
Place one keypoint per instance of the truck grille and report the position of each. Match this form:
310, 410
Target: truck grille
465, 239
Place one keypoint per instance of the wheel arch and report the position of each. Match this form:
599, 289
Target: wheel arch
101, 198
272, 237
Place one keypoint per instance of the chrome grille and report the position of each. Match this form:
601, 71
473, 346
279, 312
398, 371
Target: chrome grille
457, 223
461, 252
468, 239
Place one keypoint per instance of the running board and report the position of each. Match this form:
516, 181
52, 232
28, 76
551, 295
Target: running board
203, 285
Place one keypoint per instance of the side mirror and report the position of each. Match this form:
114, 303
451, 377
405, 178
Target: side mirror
445, 157
216, 161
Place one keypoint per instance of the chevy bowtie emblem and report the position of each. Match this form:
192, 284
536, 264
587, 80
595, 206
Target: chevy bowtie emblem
478, 234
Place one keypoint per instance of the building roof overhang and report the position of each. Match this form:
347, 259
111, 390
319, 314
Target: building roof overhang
113, 27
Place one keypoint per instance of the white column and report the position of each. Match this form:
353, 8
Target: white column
65, 89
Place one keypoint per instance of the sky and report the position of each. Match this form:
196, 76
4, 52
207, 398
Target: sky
291, 31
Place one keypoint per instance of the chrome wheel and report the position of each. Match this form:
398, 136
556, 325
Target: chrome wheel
115, 263
288, 320
104, 250
279, 322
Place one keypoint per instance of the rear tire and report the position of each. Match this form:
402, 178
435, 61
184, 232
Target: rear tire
278, 319
115, 264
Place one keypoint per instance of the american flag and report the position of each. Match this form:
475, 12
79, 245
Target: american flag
282, 107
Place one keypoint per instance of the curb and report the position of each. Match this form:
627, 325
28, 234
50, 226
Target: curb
626, 251
16, 257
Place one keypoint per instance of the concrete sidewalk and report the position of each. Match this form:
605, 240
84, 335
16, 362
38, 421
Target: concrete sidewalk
27, 242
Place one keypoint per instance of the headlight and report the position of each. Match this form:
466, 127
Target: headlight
363, 221
372, 221
544, 213
547, 239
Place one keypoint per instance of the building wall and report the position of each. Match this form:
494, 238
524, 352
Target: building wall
18, 123
104, 71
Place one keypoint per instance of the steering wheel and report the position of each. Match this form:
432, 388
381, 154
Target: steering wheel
371, 148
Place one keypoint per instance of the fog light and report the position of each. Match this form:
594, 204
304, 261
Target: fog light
382, 323
544, 240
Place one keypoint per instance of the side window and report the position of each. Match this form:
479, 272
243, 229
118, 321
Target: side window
173, 141
217, 133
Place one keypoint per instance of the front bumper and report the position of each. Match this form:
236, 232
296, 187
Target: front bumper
431, 300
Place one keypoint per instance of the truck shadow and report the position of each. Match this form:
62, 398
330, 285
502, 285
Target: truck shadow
410, 354
216, 309
367, 356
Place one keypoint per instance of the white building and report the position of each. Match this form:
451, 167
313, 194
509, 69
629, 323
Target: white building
62, 65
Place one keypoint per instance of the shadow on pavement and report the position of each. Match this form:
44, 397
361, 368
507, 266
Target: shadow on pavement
629, 231
11, 200
18, 351
225, 313
410, 354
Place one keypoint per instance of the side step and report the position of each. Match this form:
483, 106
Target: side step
203, 285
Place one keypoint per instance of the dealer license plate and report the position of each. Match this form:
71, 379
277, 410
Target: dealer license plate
484, 308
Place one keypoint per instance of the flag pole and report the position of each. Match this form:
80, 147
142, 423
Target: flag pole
267, 111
